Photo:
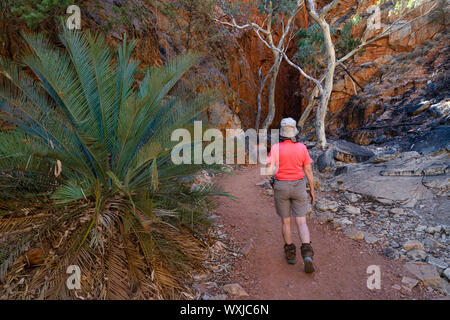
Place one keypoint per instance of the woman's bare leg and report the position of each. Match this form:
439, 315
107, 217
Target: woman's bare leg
286, 230
303, 230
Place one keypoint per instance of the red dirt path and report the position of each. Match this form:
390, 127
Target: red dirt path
341, 262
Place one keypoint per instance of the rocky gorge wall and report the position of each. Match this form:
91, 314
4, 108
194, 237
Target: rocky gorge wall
387, 69
366, 67
232, 62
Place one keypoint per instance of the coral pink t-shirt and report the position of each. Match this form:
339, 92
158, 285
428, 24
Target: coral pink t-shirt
289, 158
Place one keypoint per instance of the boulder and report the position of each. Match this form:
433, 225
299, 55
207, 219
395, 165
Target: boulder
446, 273
370, 238
352, 197
427, 273
398, 180
441, 110
415, 109
432, 244
235, 289
446, 229
416, 167
346, 151
391, 253
383, 157
438, 263
439, 183
352, 210
433, 230
327, 205
325, 162
384, 201
409, 283
245, 251
341, 170
367, 181
413, 244
417, 255
354, 233
433, 141
397, 211
436, 168
337, 224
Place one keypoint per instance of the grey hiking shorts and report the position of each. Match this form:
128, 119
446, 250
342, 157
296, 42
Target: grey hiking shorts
291, 196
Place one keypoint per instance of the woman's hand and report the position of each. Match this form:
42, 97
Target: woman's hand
312, 195
310, 177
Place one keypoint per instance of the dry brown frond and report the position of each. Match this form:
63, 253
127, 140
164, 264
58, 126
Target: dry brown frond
120, 259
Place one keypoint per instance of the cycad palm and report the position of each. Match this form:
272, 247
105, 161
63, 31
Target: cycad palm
98, 143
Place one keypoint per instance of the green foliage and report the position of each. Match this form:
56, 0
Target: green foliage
192, 25
345, 42
195, 22
244, 10
276, 6
311, 47
124, 14
98, 142
400, 5
356, 19
33, 12
397, 7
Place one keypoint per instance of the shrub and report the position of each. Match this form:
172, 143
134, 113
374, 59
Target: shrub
91, 158
33, 12
311, 47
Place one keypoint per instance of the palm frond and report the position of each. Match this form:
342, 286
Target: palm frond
91, 150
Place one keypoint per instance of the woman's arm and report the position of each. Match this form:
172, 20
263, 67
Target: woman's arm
270, 169
310, 177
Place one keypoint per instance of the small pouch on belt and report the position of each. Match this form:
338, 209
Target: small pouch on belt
272, 181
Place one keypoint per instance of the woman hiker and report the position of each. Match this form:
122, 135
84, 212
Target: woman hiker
292, 162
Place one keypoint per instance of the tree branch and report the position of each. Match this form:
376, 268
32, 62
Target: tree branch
312, 10
328, 8
350, 75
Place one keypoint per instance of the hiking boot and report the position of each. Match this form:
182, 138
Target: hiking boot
307, 255
290, 251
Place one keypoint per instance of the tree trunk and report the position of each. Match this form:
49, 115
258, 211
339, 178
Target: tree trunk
325, 98
258, 112
262, 84
309, 107
271, 93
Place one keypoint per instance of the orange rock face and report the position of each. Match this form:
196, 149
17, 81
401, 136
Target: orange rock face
365, 68
243, 54
246, 57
